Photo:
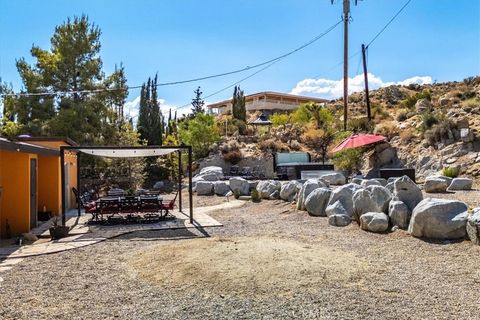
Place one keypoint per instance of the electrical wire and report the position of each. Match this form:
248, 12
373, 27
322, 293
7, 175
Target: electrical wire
310, 42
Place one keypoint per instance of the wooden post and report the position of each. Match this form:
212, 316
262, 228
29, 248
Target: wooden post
346, 17
180, 180
190, 189
79, 186
365, 75
62, 185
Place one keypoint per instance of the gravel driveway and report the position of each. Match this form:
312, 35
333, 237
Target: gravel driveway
393, 276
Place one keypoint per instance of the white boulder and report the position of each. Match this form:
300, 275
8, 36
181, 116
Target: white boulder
372, 199
289, 190
317, 201
220, 188
306, 189
334, 178
473, 226
374, 222
366, 183
439, 219
240, 184
267, 188
204, 188
405, 190
399, 214
212, 173
435, 185
344, 195
339, 220
460, 184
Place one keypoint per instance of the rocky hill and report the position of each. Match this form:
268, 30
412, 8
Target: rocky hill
431, 126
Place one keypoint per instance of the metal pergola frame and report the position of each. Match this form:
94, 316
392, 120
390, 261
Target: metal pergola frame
80, 148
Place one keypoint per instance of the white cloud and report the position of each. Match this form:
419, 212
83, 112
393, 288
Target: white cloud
332, 89
131, 108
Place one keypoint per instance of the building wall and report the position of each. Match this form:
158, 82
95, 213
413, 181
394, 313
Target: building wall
15, 199
71, 160
49, 192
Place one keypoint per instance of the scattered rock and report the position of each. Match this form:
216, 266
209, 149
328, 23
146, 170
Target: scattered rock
399, 214
439, 219
334, 178
374, 222
460, 184
473, 226
29, 236
366, 183
204, 188
435, 185
220, 188
289, 190
405, 190
317, 201
267, 187
344, 195
339, 220
240, 184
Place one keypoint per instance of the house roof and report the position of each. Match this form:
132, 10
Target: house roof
54, 139
271, 94
25, 147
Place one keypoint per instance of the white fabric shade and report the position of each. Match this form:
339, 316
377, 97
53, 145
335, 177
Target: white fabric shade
128, 152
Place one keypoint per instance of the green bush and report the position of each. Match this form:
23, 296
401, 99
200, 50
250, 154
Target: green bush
348, 159
200, 132
410, 102
402, 116
236, 193
451, 172
428, 120
255, 196
279, 119
360, 125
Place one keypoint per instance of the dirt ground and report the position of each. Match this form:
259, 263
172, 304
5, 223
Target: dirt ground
269, 261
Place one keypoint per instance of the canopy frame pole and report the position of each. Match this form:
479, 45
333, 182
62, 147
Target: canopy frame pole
62, 181
79, 187
190, 189
180, 180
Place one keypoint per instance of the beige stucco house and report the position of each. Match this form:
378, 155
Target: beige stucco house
268, 102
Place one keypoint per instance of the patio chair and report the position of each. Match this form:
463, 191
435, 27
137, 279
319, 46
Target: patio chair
89, 207
170, 205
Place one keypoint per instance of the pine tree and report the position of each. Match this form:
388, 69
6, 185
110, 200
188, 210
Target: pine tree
197, 103
238, 105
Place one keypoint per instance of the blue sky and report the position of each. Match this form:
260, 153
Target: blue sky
433, 39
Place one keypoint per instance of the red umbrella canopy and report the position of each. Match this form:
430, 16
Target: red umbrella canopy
357, 141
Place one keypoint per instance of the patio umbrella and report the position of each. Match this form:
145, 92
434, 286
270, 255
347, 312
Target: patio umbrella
357, 141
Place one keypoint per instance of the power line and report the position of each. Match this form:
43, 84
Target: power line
388, 23
310, 42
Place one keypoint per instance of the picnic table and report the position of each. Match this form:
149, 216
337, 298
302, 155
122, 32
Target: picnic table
117, 207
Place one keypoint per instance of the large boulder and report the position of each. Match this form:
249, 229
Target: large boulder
343, 195
212, 173
289, 190
372, 199
399, 214
317, 201
439, 219
220, 188
306, 189
435, 185
374, 222
204, 188
383, 182
240, 184
267, 188
339, 220
405, 190
334, 178
460, 184
473, 226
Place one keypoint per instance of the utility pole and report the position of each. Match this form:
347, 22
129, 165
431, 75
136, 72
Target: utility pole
365, 75
346, 18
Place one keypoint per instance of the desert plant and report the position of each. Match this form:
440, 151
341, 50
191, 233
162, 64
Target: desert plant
348, 159
360, 125
255, 196
279, 119
233, 156
439, 131
270, 145
406, 136
237, 193
387, 129
410, 102
402, 116
451, 172
295, 145
428, 120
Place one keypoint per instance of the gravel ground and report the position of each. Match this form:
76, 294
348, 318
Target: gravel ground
400, 277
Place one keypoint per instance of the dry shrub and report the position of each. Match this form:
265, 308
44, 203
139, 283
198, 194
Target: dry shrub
439, 131
233, 156
270, 145
387, 129
295, 145
402, 116
407, 136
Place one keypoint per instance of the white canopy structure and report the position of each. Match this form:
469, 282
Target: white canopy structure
129, 152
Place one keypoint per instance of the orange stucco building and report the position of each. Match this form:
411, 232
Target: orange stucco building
30, 181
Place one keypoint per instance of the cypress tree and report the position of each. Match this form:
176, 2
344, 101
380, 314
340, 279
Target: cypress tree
238, 105
197, 103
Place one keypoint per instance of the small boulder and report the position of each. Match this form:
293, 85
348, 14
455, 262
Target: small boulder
339, 220
334, 178
460, 184
267, 187
383, 182
240, 184
357, 181
366, 183
317, 201
204, 188
336, 209
372, 199
374, 222
289, 190
220, 188
439, 219
435, 185
473, 226
399, 214
344, 195
29, 236
212, 173
405, 190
